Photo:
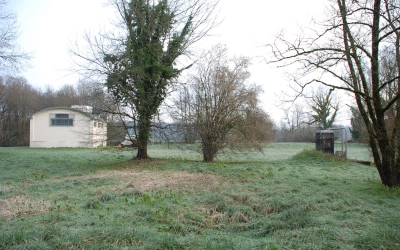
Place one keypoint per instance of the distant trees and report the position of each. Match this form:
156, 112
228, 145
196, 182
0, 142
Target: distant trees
17, 100
220, 108
350, 47
311, 111
140, 62
295, 125
294, 117
16, 95
12, 59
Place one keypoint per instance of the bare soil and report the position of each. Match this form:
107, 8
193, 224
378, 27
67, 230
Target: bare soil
22, 205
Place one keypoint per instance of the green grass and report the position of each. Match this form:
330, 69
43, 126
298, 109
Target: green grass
283, 198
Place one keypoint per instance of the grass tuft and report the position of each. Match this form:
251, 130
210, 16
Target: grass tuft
8, 239
315, 155
93, 204
107, 198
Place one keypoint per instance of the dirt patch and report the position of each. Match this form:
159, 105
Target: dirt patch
174, 180
146, 180
5, 188
100, 175
132, 170
22, 205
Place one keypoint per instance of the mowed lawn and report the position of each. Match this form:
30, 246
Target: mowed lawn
283, 198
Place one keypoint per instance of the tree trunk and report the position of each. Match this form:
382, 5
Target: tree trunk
388, 167
387, 164
208, 156
144, 124
389, 174
142, 150
209, 152
372, 109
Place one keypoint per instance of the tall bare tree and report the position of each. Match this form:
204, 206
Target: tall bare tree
221, 106
346, 52
294, 117
140, 62
12, 58
295, 125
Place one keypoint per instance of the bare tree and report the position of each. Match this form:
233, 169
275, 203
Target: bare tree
138, 62
66, 96
221, 107
12, 59
294, 117
17, 100
345, 52
295, 125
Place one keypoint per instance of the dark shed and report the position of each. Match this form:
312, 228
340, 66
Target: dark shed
324, 141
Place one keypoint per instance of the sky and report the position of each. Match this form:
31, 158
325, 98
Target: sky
48, 27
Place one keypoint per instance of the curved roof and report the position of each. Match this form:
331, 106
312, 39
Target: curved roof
91, 116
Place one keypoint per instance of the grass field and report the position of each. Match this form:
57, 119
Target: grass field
284, 198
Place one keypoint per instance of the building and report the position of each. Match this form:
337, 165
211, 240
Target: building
67, 127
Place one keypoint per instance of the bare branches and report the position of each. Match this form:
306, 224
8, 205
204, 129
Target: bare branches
220, 108
352, 51
12, 59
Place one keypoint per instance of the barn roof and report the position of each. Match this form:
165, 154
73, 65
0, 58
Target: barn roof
91, 116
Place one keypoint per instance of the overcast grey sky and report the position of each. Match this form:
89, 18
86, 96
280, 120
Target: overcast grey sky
48, 26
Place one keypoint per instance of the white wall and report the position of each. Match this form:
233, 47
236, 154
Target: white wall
81, 134
99, 134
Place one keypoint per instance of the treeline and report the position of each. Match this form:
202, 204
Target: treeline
18, 99
299, 124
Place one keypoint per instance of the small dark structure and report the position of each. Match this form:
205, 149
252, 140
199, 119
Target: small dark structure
324, 141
